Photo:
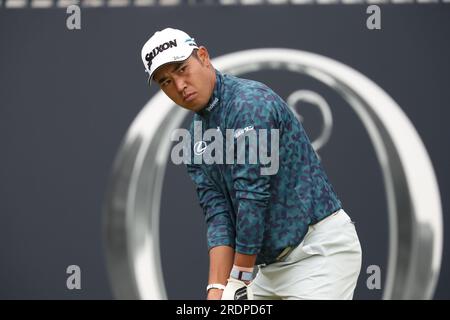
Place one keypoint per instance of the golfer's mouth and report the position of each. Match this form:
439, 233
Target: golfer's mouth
189, 97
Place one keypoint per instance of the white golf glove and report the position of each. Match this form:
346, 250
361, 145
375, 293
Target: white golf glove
237, 290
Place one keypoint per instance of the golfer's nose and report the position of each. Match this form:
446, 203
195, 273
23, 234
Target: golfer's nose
180, 84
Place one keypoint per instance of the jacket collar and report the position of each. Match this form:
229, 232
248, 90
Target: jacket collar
214, 101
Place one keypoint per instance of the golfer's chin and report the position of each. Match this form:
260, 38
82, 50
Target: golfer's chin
194, 105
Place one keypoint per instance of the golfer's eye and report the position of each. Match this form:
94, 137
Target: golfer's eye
165, 83
182, 69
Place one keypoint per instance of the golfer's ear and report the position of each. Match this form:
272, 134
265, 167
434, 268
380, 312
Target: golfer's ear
202, 53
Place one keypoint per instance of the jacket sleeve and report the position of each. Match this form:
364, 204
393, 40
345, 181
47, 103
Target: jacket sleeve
252, 112
220, 229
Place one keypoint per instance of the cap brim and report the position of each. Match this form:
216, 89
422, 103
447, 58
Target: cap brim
150, 77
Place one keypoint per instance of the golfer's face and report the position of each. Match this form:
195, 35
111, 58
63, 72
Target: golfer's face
186, 83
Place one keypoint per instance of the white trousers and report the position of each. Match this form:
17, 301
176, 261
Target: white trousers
325, 265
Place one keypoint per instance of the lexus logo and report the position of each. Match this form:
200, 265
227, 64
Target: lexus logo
200, 147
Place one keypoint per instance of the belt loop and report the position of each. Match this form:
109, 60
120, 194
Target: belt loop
284, 253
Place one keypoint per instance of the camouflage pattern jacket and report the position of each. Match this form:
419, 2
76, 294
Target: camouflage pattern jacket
252, 212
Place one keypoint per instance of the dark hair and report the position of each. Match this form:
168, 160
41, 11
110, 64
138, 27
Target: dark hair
194, 54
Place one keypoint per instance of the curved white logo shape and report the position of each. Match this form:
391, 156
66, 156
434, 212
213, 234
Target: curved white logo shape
316, 100
200, 147
414, 206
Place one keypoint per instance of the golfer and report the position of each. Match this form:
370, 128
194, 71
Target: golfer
274, 230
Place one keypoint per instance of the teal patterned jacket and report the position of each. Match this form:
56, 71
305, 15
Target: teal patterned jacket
251, 212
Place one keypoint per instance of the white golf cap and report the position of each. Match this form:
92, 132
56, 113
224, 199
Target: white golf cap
166, 46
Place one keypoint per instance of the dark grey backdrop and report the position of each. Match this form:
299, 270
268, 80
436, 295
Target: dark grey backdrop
68, 97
